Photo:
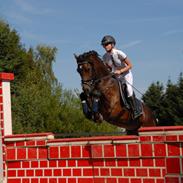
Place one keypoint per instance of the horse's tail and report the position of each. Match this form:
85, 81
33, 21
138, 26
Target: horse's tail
156, 118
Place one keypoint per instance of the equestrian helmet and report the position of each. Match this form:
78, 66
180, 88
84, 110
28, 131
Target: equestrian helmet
107, 40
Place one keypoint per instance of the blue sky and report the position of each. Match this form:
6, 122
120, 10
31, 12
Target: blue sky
150, 32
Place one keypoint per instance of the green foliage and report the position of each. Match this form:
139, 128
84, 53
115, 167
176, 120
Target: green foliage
153, 95
11, 51
167, 104
36, 105
44, 56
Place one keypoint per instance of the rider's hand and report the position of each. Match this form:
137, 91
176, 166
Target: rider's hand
118, 72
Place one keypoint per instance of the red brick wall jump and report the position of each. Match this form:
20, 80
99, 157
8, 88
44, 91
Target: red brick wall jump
156, 156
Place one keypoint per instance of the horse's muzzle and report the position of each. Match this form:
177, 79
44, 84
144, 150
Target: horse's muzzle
86, 88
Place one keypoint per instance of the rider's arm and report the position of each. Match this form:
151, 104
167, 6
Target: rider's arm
126, 68
128, 65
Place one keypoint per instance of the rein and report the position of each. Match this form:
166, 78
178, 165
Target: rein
104, 77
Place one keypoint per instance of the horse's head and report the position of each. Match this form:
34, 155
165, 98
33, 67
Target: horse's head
86, 70
90, 67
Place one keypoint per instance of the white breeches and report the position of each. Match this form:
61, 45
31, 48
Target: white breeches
128, 80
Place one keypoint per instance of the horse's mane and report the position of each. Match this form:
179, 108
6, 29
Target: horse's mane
94, 58
88, 54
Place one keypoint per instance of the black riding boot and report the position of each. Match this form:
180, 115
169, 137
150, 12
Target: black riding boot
134, 107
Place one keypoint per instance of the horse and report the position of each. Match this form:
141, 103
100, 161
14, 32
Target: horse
96, 78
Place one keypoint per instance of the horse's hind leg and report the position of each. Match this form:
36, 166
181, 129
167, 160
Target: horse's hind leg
136, 125
132, 132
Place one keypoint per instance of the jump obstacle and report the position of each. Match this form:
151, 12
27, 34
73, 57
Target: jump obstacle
155, 156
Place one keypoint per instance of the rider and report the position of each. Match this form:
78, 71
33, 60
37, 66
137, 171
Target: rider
118, 62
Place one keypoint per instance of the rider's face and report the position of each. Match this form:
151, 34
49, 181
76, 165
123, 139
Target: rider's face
108, 47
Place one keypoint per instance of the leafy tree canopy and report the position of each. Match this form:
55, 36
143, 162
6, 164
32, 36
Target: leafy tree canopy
166, 103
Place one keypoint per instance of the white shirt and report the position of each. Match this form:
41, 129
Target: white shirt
115, 60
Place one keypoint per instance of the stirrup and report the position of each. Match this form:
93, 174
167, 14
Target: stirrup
136, 114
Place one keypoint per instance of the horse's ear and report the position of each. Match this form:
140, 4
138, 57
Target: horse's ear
76, 57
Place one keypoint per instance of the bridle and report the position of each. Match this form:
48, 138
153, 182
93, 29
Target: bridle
93, 80
90, 82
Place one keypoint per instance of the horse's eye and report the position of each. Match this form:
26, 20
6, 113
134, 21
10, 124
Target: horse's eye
79, 69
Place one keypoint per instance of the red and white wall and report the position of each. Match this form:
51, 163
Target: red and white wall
155, 156
5, 119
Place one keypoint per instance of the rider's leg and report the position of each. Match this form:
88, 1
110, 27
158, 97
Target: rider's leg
134, 106
131, 97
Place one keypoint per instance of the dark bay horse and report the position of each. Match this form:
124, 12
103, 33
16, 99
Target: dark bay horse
95, 77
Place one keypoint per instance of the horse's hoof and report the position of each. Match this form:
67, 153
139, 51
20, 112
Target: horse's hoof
98, 118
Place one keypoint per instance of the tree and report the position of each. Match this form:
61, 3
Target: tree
37, 100
44, 56
173, 104
11, 51
167, 104
154, 97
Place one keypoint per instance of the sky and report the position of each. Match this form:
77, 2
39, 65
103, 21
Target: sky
150, 32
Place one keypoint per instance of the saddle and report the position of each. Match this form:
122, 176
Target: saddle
124, 98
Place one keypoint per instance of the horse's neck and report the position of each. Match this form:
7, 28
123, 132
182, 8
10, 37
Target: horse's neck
102, 70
